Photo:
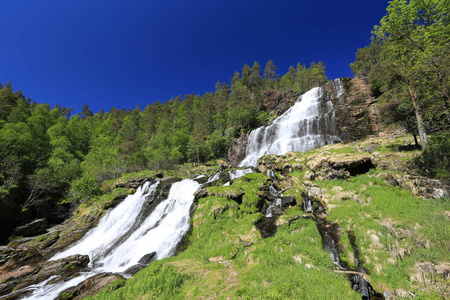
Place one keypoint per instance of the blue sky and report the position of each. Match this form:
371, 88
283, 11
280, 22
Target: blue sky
121, 53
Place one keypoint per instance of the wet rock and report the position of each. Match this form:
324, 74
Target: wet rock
163, 189
237, 150
168, 181
267, 227
287, 201
147, 258
201, 179
134, 269
33, 228
277, 102
90, 286
203, 193
15, 295
18, 277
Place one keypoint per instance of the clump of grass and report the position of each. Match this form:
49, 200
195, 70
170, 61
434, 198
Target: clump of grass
158, 280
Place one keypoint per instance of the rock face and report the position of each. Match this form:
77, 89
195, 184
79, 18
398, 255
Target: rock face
277, 102
357, 116
236, 152
13, 276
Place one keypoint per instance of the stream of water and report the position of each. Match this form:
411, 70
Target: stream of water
123, 236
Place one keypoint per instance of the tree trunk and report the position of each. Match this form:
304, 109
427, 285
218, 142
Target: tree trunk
420, 126
415, 141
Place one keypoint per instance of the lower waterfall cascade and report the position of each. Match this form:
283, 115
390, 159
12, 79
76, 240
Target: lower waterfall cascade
307, 125
124, 236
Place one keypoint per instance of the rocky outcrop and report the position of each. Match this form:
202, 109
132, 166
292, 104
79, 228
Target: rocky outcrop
15, 276
418, 185
277, 102
356, 114
236, 151
340, 166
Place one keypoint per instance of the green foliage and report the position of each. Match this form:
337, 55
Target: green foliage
434, 161
302, 79
408, 60
84, 188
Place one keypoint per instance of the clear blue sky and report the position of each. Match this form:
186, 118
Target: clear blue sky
121, 53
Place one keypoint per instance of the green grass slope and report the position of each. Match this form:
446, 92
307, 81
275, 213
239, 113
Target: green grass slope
400, 235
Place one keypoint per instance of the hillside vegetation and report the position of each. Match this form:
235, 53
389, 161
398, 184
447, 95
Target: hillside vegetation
389, 223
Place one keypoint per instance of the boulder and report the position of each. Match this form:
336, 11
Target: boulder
147, 258
287, 201
33, 228
201, 179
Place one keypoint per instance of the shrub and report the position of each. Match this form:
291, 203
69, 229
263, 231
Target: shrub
435, 160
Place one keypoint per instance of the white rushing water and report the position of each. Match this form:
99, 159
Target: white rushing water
308, 124
123, 236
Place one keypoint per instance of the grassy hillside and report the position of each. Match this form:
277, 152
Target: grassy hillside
386, 217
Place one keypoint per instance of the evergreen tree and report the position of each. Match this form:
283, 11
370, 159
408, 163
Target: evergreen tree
246, 71
86, 112
254, 79
270, 75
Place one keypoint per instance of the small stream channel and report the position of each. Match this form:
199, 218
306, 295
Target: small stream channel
330, 234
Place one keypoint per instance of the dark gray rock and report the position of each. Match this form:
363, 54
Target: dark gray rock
287, 201
147, 258
33, 228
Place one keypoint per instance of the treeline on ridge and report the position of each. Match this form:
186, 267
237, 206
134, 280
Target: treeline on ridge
49, 156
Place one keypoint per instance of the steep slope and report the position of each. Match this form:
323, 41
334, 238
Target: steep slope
384, 228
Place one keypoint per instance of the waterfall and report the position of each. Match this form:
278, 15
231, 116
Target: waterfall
308, 124
124, 235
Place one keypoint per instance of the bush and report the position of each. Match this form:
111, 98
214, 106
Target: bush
434, 161
85, 188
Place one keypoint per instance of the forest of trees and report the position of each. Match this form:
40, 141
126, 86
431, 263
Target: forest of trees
49, 155
408, 63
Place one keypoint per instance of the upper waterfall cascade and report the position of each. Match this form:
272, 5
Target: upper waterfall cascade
307, 125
